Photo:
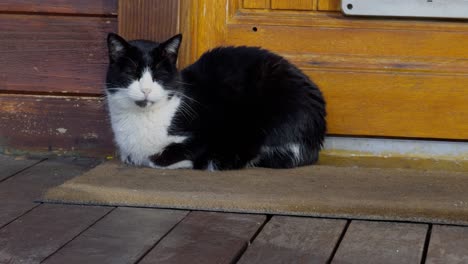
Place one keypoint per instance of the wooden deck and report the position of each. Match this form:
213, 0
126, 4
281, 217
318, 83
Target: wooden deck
51, 233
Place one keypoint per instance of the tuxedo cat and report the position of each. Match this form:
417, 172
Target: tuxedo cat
235, 107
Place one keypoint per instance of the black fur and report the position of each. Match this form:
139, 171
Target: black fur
238, 102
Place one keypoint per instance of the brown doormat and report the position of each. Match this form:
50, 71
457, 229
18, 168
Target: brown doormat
324, 191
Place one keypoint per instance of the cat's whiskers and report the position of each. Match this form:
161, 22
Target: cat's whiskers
183, 83
185, 108
185, 96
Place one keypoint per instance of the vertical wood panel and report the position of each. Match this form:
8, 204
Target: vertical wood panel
148, 19
198, 37
188, 28
294, 4
329, 5
256, 4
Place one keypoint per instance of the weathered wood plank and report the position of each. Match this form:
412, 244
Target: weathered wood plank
18, 193
204, 237
78, 124
295, 240
448, 245
88, 7
11, 165
123, 236
382, 242
36, 235
54, 54
148, 19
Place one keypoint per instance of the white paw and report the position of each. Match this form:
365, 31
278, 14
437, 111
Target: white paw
211, 166
184, 164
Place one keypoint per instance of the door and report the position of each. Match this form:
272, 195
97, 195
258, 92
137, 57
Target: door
405, 78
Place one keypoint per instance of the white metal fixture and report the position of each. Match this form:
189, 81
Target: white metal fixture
407, 8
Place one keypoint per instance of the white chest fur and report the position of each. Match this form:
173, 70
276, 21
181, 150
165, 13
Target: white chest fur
142, 132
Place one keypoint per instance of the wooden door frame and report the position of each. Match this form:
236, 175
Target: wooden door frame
154, 20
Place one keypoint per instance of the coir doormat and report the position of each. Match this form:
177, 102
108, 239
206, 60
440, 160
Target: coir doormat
323, 191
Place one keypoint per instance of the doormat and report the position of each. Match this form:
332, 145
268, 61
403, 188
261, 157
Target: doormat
320, 191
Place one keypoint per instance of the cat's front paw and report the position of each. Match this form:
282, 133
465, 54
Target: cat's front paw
184, 164
128, 160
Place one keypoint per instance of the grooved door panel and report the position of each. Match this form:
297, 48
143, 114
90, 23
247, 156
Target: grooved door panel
380, 77
293, 4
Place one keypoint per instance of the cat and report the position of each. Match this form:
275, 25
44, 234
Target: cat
235, 107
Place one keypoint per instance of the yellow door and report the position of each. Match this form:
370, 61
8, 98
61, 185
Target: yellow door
381, 77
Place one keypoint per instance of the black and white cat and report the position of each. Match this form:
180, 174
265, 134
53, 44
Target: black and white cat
235, 107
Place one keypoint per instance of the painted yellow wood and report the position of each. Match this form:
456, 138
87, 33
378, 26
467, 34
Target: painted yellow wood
329, 5
256, 4
398, 105
294, 4
393, 78
370, 42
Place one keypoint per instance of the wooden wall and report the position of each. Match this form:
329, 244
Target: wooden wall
381, 77
53, 58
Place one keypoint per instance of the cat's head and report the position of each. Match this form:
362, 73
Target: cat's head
141, 73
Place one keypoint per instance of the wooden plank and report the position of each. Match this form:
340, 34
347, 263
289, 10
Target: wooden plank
262, 4
18, 193
391, 104
54, 54
87, 7
206, 238
409, 42
33, 237
295, 239
198, 25
294, 4
448, 245
78, 125
382, 242
148, 19
188, 29
11, 165
329, 5
123, 236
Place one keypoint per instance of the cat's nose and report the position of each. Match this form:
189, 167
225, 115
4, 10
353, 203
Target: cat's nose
146, 91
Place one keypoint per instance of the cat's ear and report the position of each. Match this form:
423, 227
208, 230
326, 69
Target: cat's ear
117, 46
171, 46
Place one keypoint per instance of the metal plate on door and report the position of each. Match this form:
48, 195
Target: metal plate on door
407, 8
